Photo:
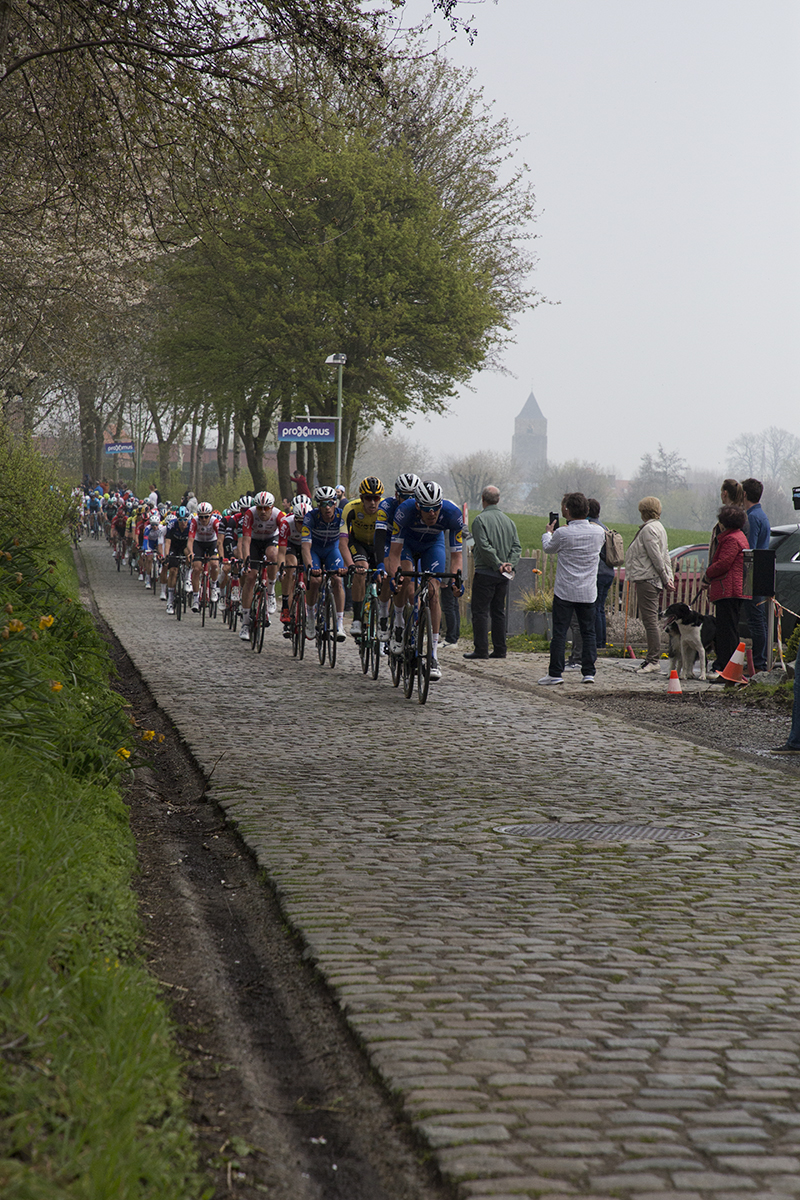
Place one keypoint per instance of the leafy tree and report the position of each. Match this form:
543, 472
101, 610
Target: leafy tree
571, 476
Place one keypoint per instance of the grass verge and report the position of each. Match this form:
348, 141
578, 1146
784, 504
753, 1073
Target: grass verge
90, 1081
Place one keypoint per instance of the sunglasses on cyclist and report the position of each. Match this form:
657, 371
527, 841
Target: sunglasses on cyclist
204, 518
429, 507
262, 508
327, 504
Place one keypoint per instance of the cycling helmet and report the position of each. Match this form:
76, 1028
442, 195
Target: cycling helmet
301, 505
324, 495
371, 487
405, 485
235, 508
183, 513
204, 509
428, 493
265, 500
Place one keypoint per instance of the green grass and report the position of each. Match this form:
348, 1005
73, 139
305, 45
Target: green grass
91, 1103
531, 528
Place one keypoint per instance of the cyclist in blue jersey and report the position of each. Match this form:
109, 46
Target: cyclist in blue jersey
404, 487
418, 540
320, 548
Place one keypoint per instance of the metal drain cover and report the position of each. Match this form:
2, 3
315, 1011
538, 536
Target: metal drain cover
590, 831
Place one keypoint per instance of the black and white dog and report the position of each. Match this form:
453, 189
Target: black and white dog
691, 636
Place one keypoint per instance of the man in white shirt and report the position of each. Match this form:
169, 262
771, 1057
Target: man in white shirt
577, 545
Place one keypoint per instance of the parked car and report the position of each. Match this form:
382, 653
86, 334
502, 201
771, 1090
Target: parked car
785, 541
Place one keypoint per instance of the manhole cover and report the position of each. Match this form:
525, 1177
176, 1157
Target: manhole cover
589, 831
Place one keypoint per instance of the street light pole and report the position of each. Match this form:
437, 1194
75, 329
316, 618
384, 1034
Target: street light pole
338, 360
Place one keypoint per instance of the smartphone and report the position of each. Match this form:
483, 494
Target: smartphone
553, 517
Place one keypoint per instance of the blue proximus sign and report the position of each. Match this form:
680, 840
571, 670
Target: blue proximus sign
306, 431
119, 447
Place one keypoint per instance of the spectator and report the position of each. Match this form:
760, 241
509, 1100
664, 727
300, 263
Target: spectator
451, 611
724, 578
341, 496
496, 554
731, 492
191, 503
647, 564
758, 535
577, 545
792, 743
300, 484
605, 577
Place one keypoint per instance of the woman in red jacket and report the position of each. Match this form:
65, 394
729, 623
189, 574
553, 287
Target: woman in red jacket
724, 578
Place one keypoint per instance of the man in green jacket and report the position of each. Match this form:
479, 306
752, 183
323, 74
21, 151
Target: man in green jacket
496, 553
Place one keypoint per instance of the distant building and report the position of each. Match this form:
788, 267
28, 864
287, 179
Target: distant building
529, 444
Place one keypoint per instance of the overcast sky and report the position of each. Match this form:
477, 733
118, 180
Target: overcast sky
663, 140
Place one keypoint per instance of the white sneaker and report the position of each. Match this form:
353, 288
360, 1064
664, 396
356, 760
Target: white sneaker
572, 666
383, 629
355, 628
141, 577
341, 636
170, 610
588, 679
551, 680
396, 646
188, 589
215, 595
436, 671
163, 595
649, 667
244, 634
271, 604
147, 584
196, 605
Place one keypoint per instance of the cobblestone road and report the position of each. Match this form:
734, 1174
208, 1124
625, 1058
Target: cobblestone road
559, 1017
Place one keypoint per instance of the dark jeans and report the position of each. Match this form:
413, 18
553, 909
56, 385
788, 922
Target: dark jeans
754, 612
451, 612
727, 636
489, 606
603, 586
562, 615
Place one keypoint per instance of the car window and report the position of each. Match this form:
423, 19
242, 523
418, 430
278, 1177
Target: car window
786, 546
692, 560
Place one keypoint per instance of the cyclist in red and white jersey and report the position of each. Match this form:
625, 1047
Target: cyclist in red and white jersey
205, 541
290, 535
259, 541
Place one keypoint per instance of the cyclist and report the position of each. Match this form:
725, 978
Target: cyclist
320, 543
418, 536
153, 538
357, 540
290, 553
404, 486
259, 541
119, 518
205, 541
94, 508
229, 524
176, 539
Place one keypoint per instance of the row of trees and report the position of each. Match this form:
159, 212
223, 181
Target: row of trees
196, 209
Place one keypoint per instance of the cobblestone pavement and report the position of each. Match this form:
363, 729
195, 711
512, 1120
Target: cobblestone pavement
572, 1017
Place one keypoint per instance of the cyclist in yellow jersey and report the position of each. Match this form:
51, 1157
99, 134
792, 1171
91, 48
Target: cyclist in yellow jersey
357, 540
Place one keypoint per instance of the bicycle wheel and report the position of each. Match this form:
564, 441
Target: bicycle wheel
364, 643
203, 597
178, 595
297, 624
263, 622
331, 627
320, 631
255, 616
375, 644
424, 653
409, 656
395, 661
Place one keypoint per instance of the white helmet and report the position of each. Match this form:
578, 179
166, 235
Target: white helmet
265, 500
428, 493
324, 495
301, 505
204, 509
405, 485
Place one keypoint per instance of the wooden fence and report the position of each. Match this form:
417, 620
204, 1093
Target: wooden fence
687, 585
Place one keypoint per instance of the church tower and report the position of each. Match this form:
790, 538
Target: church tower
529, 444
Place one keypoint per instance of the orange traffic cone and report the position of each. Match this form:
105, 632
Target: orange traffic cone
674, 685
734, 668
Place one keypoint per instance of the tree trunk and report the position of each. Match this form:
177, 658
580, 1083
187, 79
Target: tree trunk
326, 462
86, 415
164, 449
199, 457
300, 458
223, 440
237, 454
254, 449
284, 474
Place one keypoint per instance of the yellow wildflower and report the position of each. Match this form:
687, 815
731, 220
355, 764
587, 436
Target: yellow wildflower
55, 686
148, 734
46, 622
16, 626
123, 753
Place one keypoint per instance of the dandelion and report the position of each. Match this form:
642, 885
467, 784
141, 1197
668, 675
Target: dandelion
148, 735
55, 686
46, 622
123, 753
16, 626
